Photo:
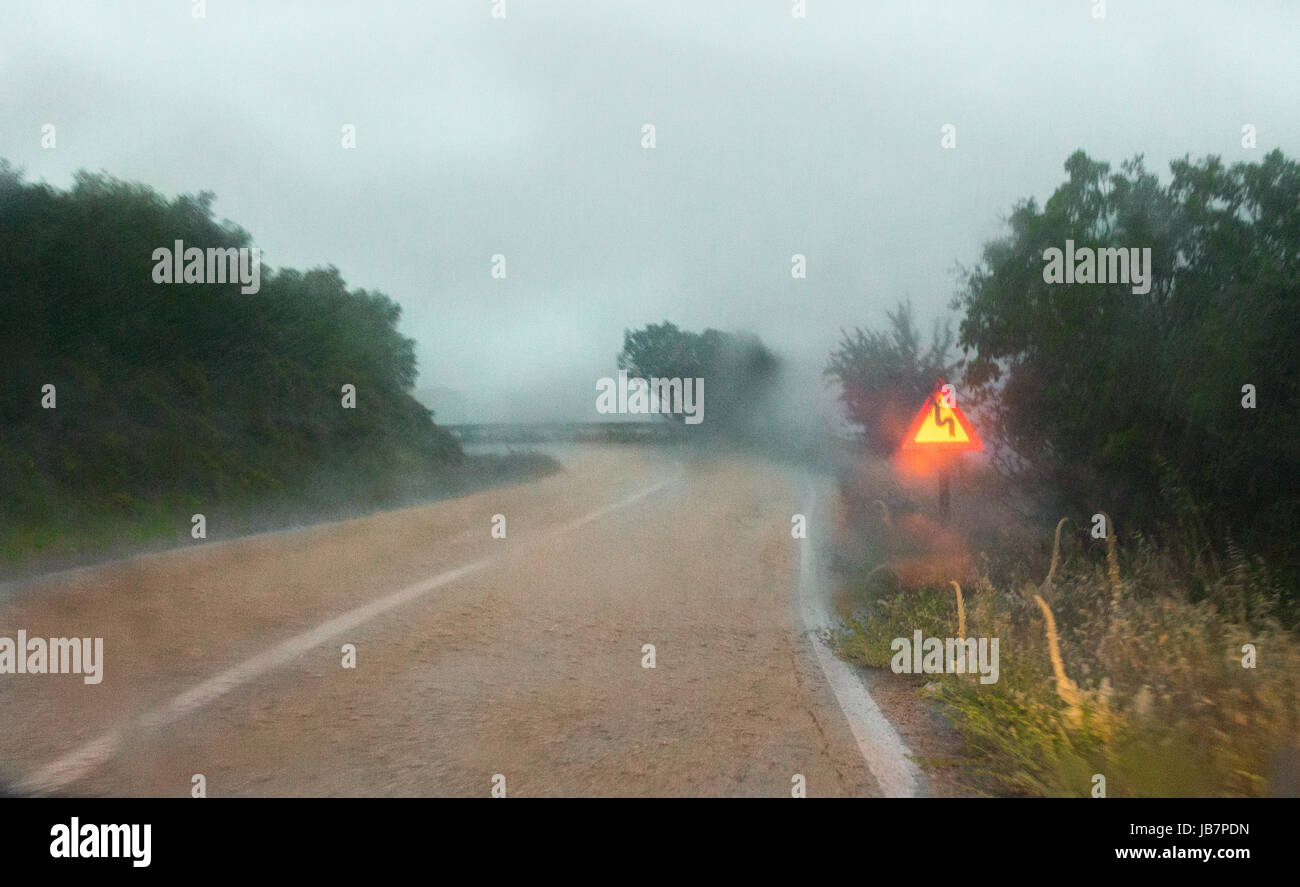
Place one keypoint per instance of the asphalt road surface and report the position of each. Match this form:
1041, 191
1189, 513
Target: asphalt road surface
474, 656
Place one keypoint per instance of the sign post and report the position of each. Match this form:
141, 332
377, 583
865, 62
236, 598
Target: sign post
945, 490
942, 428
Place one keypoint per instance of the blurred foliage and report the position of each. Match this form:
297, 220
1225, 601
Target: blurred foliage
736, 368
885, 376
192, 393
1132, 404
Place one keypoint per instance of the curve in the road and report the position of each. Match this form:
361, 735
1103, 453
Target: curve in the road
84, 760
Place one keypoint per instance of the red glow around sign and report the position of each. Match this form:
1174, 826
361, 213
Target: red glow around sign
941, 426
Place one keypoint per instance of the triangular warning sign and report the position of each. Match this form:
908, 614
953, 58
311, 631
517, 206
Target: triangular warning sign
941, 425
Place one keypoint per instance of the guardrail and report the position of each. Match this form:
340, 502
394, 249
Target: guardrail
566, 432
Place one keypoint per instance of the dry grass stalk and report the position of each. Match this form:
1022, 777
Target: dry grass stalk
1112, 558
1067, 689
884, 511
1056, 554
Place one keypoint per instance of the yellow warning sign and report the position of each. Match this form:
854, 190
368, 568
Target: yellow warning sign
941, 425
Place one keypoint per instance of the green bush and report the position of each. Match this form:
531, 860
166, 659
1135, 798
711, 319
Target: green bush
170, 394
1132, 403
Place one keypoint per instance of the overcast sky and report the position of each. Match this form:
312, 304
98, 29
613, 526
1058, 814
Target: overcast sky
522, 136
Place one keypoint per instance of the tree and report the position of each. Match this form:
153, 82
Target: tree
196, 390
884, 375
1131, 402
736, 367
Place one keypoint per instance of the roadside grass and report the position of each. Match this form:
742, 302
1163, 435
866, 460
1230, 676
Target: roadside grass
1146, 687
51, 532
94, 529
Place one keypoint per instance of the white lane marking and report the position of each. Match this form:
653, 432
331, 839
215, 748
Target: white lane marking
89, 757
882, 748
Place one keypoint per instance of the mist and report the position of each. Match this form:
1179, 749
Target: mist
522, 137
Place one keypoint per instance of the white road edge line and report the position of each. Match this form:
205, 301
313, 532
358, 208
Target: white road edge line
89, 757
882, 748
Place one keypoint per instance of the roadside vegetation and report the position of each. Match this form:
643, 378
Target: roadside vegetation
174, 400
1157, 647
738, 368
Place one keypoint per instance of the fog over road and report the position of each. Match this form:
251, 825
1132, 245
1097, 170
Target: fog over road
475, 656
